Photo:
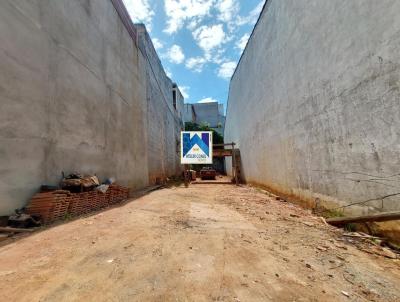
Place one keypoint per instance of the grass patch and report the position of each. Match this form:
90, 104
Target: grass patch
333, 213
68, 217
350, 227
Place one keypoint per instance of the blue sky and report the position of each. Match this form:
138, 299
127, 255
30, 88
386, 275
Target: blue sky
199, 42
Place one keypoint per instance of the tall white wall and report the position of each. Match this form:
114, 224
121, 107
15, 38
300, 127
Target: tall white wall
314, 104
72, 97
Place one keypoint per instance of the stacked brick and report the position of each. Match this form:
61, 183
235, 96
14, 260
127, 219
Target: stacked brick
79, 204
117, 194
51, 206
57, 205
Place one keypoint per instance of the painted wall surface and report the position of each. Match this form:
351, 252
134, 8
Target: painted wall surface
72, 97
314, 104
164, 122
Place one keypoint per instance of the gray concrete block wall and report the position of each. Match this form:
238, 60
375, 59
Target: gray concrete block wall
314, 104
164, 122
72, 97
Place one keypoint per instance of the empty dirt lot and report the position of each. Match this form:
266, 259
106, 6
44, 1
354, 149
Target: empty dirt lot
204, 243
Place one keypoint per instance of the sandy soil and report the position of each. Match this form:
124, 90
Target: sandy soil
204, 243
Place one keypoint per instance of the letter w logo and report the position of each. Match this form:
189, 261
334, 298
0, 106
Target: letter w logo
189, 143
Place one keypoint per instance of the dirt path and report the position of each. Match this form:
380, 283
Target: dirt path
205, 243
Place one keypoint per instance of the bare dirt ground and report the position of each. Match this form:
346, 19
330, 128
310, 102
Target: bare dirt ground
204, 243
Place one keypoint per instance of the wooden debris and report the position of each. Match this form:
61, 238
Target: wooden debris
322, 248
345, 293
362, 236
15, 230
341, 246
367, 218
388, 253
3, 237
323, 220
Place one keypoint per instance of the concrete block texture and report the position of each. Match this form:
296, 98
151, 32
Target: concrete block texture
164, 121
72, 97
314, 104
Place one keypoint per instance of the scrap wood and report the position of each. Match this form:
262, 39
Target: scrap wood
3, 237
384, 252
15, 230
323, 220
367, 218
362, 236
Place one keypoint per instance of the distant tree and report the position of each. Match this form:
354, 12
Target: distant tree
217, 138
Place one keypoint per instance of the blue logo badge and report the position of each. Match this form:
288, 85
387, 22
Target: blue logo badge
196, 147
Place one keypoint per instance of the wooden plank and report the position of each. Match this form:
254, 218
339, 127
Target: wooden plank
15, 230
186, 174
222, 153
366, 218
222, 145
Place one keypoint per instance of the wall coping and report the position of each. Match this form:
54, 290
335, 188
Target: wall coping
125, 18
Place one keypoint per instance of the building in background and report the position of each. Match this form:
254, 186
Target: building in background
314, 104
211, 114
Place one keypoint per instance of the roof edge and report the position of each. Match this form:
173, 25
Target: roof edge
125, 18
251, 35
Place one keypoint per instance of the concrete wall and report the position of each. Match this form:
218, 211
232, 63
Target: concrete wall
188, 113
180, 102
206, 113
72, 97
315, 102
164, 122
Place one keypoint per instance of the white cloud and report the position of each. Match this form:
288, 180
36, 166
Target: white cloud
209, 37
207, 100
241, 44
168, 73
180, 11
184, 91
252, 17
175, 54
157, 44
193, 24
226, 70
140, 12
196, 64
227, 9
